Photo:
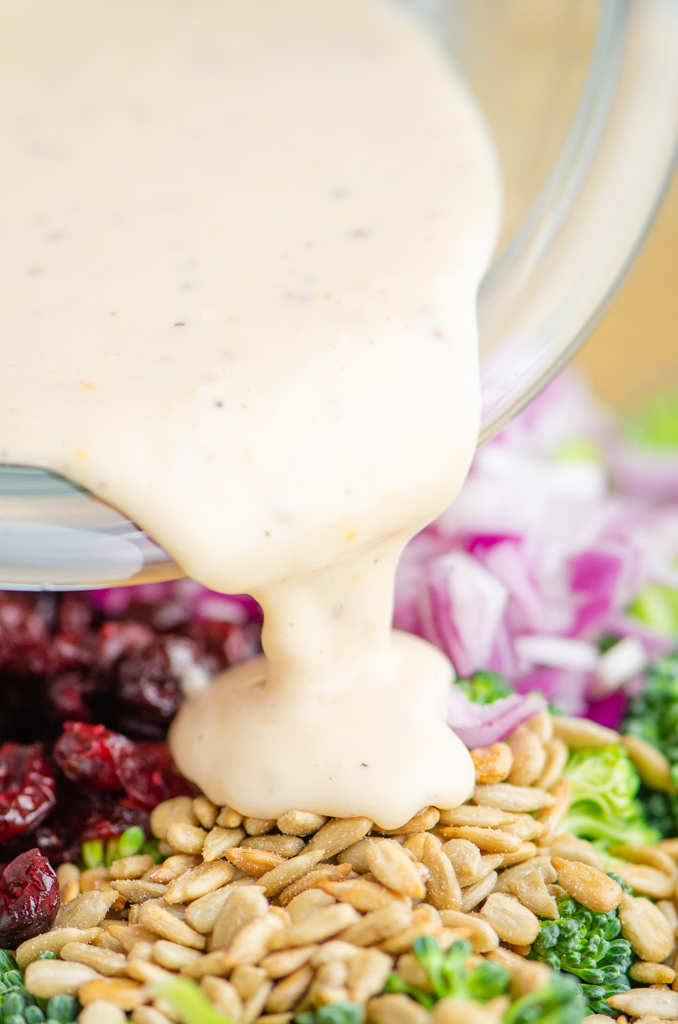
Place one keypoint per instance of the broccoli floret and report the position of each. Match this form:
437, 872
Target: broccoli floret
485, 687
590, 946
334, 1013
661, 810
653, 715
559, 1002
604, 808
450, 976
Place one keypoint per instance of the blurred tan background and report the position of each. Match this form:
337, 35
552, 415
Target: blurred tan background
540, 51
634, 350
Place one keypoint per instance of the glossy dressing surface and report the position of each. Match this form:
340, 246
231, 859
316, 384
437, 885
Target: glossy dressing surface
240, 242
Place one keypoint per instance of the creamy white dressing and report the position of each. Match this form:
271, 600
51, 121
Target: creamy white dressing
240, 242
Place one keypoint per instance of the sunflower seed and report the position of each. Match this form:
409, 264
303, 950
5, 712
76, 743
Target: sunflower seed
172, 955
395, 1008
506, 797
100, 1012
391, 866
646, 928
205, 811
581, 732
52, 942
588, 885
199, 881
284, 846
646, 880
491, 839
529, 757
300, 823
122, 992
512, 921
102, 960
361, 893
224, 996
243, 906
324, 873
651, 973
289, 871
47, 978
482, 936
178, 809
420, 822
290, 991
475, 894
132, 867
317, 927
380, 924
167, 926
220, 839
186, 838
492, 764
338, 835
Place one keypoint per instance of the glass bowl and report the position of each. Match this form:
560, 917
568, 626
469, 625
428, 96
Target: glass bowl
582, 100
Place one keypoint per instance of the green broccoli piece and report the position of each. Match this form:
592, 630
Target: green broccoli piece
189, 1001
485, 687
661, 810
449, 976
93, 853
18, 1006
559, 1002
653, 715
655, 423
334, 1013
604, 808
590, 946
579, 449
657, 606
96, 853
63, 1009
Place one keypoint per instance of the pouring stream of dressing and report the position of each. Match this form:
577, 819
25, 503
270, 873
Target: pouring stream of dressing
240, 242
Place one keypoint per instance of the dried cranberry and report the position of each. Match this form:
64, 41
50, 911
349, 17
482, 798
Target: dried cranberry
74, 643
29, 898
108, 818
243, 643
24, 639
80, 817
101, 761
225, 643
146, 690
173, 783
118, 639
70, 651
27, 789
91, 756
134, 668
67, 696
75, 614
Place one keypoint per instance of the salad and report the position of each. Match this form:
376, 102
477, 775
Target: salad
552, 585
